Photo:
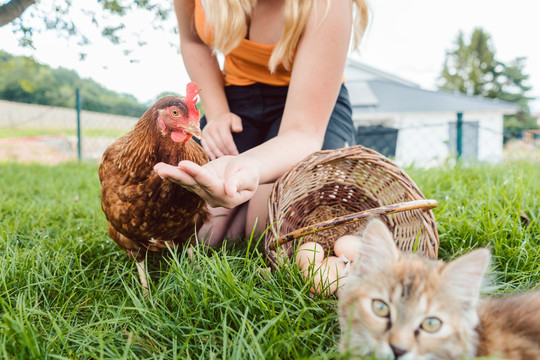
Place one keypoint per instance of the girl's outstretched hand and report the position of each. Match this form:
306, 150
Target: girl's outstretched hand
225, 182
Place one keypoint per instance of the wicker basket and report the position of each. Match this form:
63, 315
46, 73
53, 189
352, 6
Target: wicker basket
333, 192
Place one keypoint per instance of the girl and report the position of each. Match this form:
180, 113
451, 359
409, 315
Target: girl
279, 97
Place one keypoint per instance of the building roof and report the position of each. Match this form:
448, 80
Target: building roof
375, 91
356, 71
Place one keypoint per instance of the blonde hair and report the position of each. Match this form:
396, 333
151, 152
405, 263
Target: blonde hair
229, 19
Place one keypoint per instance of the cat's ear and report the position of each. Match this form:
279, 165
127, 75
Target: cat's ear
465, 274
378, 247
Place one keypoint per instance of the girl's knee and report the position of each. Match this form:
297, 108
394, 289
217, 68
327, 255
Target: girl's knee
257, 213
223, 223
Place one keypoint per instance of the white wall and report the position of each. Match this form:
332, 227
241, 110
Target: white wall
423, 138
491, 137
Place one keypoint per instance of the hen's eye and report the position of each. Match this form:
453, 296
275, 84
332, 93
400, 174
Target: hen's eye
380, 308
431, 324
175, 112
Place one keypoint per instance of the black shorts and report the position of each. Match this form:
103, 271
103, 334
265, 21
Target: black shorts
261, 107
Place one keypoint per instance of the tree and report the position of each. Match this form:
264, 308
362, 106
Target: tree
472, 69
30, 16
22, 79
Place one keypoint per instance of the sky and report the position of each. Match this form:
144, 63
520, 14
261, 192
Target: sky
405, 38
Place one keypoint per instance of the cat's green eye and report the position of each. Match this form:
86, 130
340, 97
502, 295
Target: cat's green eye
380, 308
431, 324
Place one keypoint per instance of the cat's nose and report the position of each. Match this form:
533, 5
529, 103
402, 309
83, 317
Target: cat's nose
398, 351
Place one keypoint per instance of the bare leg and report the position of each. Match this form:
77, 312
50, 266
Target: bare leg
257, 213
142, 275
237, 222
224, 223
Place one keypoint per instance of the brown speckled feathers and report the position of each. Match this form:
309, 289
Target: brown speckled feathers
144, 211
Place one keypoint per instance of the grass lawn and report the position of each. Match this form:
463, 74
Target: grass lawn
67, 291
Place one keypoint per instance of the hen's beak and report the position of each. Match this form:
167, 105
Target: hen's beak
194, 130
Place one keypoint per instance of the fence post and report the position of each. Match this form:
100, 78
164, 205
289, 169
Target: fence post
459, 134
78, 97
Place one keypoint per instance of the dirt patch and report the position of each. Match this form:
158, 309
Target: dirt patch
523, 150
32, 152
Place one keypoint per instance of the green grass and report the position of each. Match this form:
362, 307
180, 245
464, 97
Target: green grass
67, 291
481, 206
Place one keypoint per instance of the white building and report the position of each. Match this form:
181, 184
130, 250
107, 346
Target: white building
416, 126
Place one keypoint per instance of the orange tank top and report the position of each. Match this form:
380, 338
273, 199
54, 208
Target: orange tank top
248, 63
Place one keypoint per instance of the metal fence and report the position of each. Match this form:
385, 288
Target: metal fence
428, 145
52, 135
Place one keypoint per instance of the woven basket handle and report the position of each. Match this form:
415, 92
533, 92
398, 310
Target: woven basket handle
347, 219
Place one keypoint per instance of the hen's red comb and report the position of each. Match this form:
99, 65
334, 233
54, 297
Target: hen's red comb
191, 100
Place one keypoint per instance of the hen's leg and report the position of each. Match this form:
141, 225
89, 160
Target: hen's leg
134, 251
142, 275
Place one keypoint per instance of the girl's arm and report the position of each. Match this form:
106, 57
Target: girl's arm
316, 79
203, 68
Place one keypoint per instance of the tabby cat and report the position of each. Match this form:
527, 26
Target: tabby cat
402, 306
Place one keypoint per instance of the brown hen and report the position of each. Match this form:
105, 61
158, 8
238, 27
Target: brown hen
145, 212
